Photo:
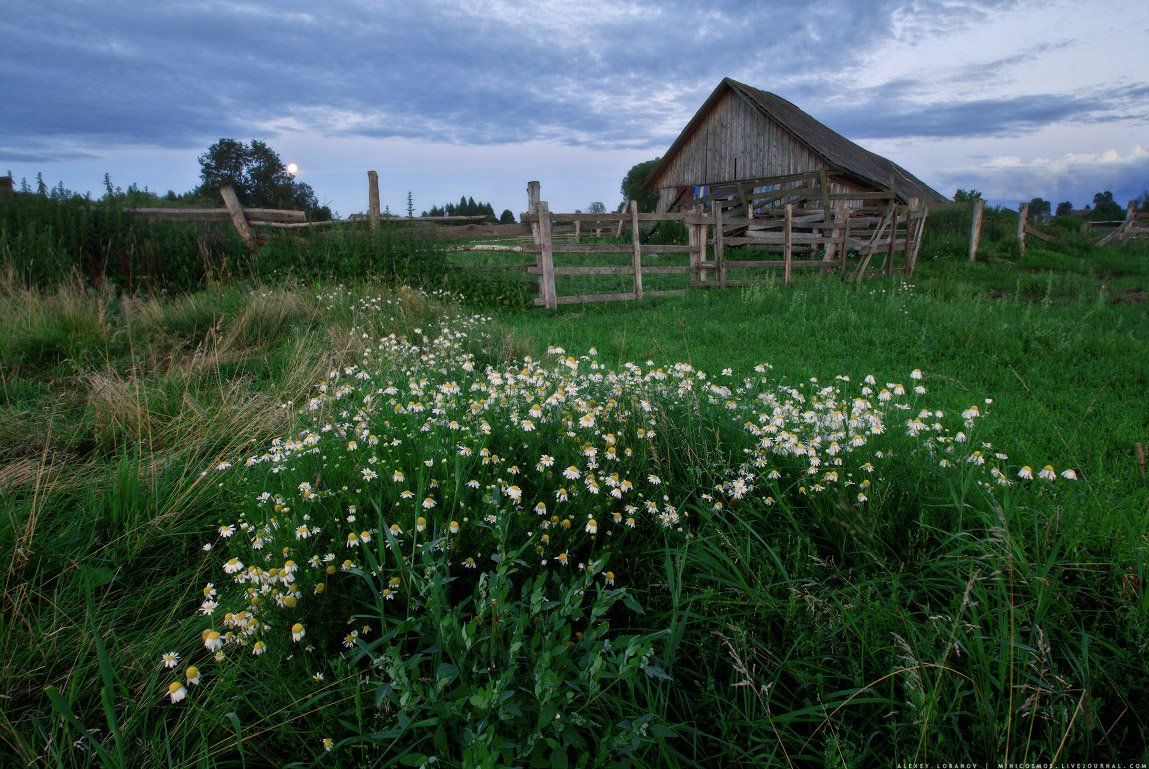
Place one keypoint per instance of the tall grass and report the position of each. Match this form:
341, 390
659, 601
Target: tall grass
942, 620
49, 240
110, 407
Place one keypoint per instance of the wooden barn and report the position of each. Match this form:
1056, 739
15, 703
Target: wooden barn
743, 140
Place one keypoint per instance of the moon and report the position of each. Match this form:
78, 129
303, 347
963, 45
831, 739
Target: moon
292, 169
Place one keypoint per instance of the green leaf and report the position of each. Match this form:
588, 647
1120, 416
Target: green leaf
654, 671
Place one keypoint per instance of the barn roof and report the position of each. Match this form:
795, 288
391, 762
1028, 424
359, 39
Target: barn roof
838, 151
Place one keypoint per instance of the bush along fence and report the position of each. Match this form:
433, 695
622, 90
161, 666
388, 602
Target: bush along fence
729, 243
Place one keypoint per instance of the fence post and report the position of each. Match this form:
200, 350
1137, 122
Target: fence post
701, 238
227, 192
829, 256
533, 192
907, 242
637, 246
1022, 218
788, 242
888, 263
373, 198
844, 245
975, 228
546, 255
719, 246
578, 229
1130, 215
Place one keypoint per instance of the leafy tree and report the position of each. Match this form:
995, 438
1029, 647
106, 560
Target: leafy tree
507, 217
258, 175
1039, 208
1064, 208
1142, 202
966, 196
1105, 208
634, 185
596, 207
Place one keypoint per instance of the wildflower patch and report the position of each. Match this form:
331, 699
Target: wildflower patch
433, 507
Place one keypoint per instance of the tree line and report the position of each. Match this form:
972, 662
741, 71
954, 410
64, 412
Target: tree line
467, 206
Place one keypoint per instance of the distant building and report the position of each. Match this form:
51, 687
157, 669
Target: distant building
743, 139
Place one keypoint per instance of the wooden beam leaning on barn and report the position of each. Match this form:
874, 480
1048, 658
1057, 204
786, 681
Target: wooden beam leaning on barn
871, 246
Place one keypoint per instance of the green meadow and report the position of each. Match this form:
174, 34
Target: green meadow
750, 610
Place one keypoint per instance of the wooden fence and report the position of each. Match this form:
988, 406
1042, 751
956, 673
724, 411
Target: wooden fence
242, 218
854, 243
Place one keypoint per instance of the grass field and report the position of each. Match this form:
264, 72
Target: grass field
940, 620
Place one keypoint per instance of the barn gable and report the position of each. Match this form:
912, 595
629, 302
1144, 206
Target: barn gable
743, 133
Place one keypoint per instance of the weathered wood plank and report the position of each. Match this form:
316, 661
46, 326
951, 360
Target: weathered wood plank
290, 225
227, 192
216, 214
530, 269
546, 261
777, 238
719, 246
635, 234
975, 228
744, 264
1022, 216
594, 270
681, 269
788, 245
619, 297
373, 199
676, 216
590, 248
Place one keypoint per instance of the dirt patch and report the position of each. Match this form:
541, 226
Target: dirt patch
1131, 296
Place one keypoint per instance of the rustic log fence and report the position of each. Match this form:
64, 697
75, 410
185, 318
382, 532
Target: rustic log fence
1135, 225
793, 237
243, 219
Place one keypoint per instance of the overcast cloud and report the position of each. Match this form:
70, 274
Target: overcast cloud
1041, 97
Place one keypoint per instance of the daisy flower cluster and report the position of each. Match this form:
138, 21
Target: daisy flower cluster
425, 449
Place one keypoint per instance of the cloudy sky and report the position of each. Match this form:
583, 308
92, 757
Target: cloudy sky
1014, 98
